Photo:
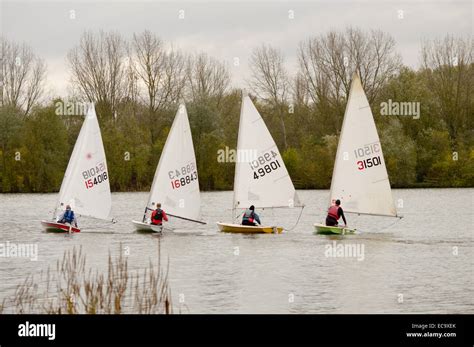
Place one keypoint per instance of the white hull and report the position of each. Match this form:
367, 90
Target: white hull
145, 227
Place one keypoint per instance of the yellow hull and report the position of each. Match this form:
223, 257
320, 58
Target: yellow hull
247, 229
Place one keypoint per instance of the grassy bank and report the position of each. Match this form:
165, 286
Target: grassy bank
77, 288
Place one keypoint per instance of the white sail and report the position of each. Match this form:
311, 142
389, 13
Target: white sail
176, 184
261, 178
360, 177
86, 182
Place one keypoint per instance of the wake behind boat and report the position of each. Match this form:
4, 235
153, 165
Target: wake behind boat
360, 178
176, 183
85, 186
255, 181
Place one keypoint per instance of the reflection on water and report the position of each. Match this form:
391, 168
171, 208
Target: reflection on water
421, 264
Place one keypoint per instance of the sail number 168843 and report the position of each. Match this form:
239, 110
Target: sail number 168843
178, 183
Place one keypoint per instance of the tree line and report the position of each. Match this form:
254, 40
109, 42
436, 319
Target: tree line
137, 84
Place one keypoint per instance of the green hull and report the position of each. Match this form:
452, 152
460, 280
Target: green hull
326, 230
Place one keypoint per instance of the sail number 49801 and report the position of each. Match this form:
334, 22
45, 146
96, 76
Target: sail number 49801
264, 164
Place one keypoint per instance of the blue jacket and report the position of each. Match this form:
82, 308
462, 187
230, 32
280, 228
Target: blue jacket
69, 217
249, 214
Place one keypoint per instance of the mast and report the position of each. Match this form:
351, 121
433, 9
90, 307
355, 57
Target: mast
360, 179
260, 168
237, 160
176, 182
85, 185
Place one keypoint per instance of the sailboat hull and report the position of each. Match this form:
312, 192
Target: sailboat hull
58, 227
247, 229
327, 230
147, 228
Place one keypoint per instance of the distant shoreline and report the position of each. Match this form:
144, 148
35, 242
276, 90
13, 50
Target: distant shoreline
230, 190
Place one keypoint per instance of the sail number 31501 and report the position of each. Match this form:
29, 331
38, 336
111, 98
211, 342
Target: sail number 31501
367, 163
367, 150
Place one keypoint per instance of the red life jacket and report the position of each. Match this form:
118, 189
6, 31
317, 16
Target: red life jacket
332, 212
157, 217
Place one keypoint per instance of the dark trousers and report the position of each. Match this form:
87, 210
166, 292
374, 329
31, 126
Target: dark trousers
330, 221
246, 222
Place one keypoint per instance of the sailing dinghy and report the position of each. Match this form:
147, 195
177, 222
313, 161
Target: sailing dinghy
261, 179
176, 184
360, 178
85, 185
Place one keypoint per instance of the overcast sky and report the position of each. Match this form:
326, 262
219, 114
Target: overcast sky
226, 29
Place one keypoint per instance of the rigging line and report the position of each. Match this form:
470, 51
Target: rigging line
275, 207
240, 215
297, 221
387, 227
100, 220
396, 221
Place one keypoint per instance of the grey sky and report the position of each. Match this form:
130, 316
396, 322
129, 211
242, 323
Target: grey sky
226, 29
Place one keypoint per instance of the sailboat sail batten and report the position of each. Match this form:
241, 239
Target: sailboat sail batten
360, 178
176, 183
255, 180
85, 184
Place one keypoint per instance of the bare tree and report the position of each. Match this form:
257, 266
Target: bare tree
162, 72
207, 78
22, 76
270, 81
329, 61
448, 64
132, 83
98, 68
299, 91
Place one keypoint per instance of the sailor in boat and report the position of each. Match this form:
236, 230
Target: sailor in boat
158, 215
334, 213
250, 217
68, 216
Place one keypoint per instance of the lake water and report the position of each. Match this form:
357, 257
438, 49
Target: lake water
423, 263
